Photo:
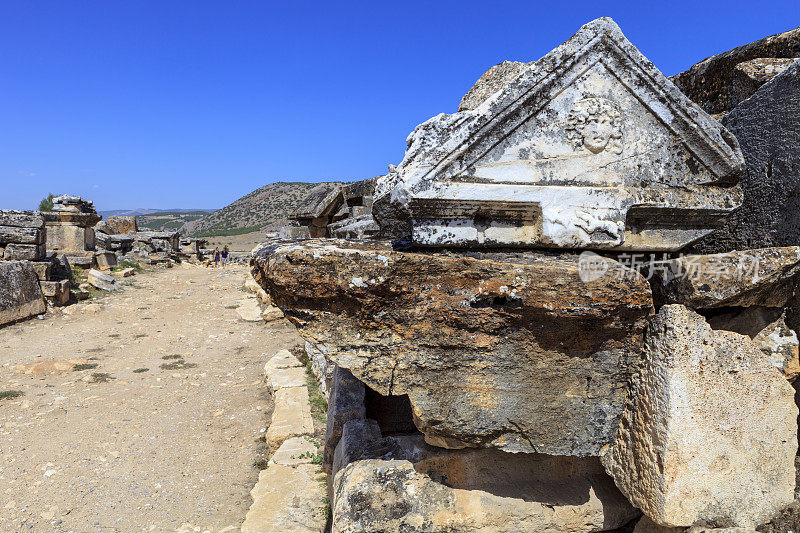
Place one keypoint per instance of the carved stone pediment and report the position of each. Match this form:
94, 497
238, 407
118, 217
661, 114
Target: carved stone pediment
589, 147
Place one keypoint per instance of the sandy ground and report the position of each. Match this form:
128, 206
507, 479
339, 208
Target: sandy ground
149, 450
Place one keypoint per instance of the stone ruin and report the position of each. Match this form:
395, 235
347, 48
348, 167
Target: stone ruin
335, 210
39, 249
531, 353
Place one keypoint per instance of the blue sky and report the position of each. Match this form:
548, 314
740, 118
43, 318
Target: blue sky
164, 104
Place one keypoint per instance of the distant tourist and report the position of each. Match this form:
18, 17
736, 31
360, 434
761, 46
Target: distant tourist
224, 256
216, 256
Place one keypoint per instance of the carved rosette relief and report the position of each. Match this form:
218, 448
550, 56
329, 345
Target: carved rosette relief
595, 124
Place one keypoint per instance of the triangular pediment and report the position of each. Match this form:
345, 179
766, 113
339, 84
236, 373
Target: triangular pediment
591, 146
531, 117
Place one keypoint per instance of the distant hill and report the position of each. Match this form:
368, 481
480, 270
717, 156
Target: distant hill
265, 209
143, 211
169, 220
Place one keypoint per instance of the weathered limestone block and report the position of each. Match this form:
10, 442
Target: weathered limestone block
43, 269
14, 234
493, 350
345, 403
249, 310
710, 432
101, 280
24, 252
287, 498
764, 277
391, 495
105, 260
281, 359
294, 451
780, 344
321, 366
719, 83
767, 126
123, 224
591, 147
21, 219
55, 292
291, 417
280, 378
20, 295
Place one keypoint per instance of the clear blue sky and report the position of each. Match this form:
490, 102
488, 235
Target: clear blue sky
165, 104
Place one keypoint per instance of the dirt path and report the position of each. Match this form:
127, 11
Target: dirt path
147, 450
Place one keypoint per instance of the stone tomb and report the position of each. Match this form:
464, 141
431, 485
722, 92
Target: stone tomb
590, 147
70, 226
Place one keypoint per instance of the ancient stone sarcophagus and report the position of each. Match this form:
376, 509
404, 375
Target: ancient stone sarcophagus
590, 147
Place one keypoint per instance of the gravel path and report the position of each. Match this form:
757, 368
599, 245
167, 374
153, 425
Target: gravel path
118, 448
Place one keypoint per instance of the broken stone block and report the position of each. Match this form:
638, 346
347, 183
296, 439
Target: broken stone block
287, 498
13, 234
345, 403
24, 252
780, 344
20, 294
513, 351
286, 377
249, 310
710, 431
281, 359
105, 260
123, 224
294, 451
767, 126
271, 314
125, 272
21, 219
591, 147
291, 417
565, 495
492, 81
321, 366
43, 269
101, 280
55, 292
764, 277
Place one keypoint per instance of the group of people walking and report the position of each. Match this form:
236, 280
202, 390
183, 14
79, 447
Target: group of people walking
220, 256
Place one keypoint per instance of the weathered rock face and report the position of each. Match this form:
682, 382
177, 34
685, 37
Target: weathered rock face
710, 432
20, 295
765, 277
393, 495
767, 126
780, 344
493, 350
589, 147
719, 83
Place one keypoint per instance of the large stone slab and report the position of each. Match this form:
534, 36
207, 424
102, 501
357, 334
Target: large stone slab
710, 433
494, 350
765, 277
767, 126
394, 495
291, 417
20, 295
589, 147
287, 498
9, 234
21, 219
101, 280
24, 252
